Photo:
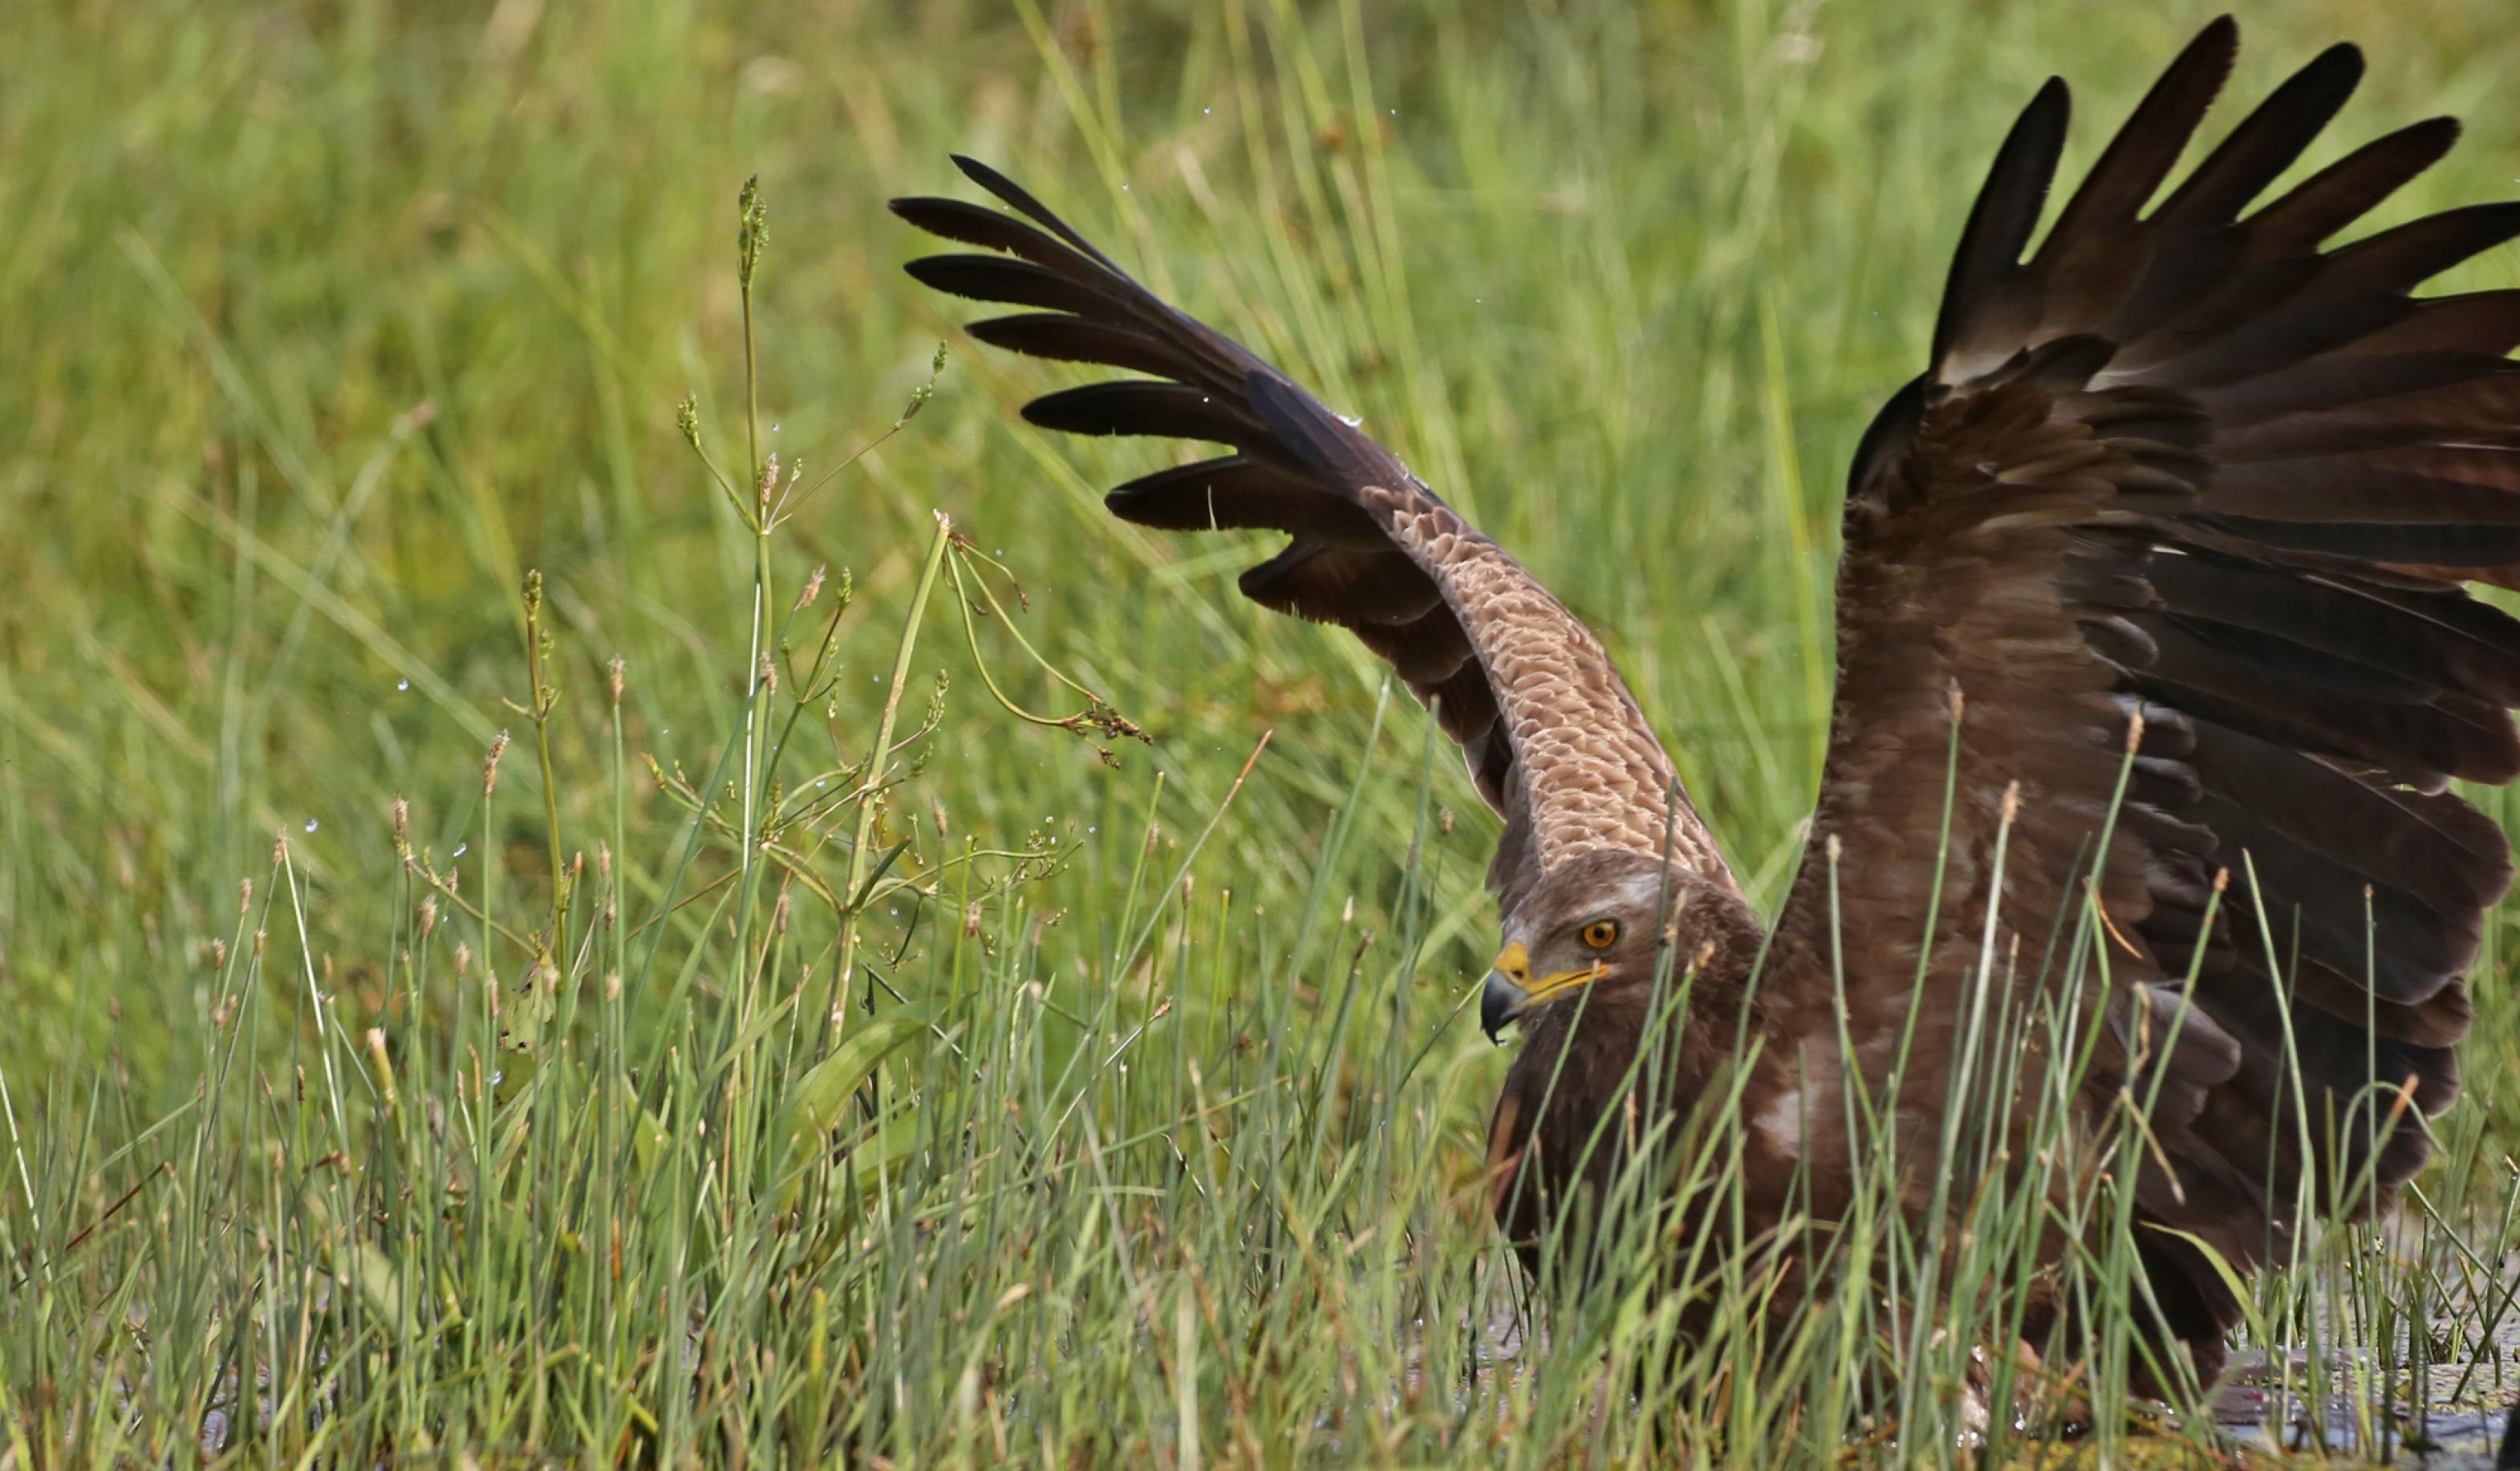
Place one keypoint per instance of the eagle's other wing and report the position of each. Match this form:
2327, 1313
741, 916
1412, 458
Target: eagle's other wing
2189, 466
1553, 738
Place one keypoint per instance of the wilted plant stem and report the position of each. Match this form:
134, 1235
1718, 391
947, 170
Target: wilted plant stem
871, 784
756, 722
750, 234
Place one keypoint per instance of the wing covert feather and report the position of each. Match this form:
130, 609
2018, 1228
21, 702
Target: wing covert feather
1553, 738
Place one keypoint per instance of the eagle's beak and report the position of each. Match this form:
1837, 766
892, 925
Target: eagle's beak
1509, 991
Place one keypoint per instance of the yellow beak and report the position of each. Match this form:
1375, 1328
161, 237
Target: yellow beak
1510, 992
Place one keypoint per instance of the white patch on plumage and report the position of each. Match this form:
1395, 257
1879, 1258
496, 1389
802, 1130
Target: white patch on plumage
1637, 893
1780, 1123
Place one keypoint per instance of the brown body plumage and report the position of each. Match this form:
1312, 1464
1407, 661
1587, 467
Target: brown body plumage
2181, 481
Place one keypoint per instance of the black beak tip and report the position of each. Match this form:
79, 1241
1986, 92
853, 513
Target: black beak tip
1498, 1004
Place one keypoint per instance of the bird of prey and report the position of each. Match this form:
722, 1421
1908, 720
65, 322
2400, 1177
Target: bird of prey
2152, 606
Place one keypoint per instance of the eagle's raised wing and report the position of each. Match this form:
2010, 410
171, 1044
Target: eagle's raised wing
1552, 735
2189, 466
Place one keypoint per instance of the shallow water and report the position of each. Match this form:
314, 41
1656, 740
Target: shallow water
2456, 1429
2441, 1436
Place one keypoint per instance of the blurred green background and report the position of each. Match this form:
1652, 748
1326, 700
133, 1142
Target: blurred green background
321, 323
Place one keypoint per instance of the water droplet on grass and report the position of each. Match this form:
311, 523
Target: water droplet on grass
403, 684
460, 848
312, 824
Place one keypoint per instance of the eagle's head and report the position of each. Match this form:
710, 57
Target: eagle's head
1599, 924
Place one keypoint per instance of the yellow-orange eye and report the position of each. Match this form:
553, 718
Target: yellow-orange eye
1602, 934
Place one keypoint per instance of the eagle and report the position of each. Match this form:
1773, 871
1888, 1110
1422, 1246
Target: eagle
2154, 636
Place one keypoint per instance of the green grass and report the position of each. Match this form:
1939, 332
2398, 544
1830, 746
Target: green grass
1155, 1129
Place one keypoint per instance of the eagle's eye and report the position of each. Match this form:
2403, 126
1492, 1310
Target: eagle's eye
1602, 934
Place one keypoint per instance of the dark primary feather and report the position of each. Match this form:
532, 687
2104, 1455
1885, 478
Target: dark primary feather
1342, 566
2008, 208
2186, 462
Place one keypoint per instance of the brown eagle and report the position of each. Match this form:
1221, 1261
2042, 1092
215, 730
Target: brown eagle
2152, 609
